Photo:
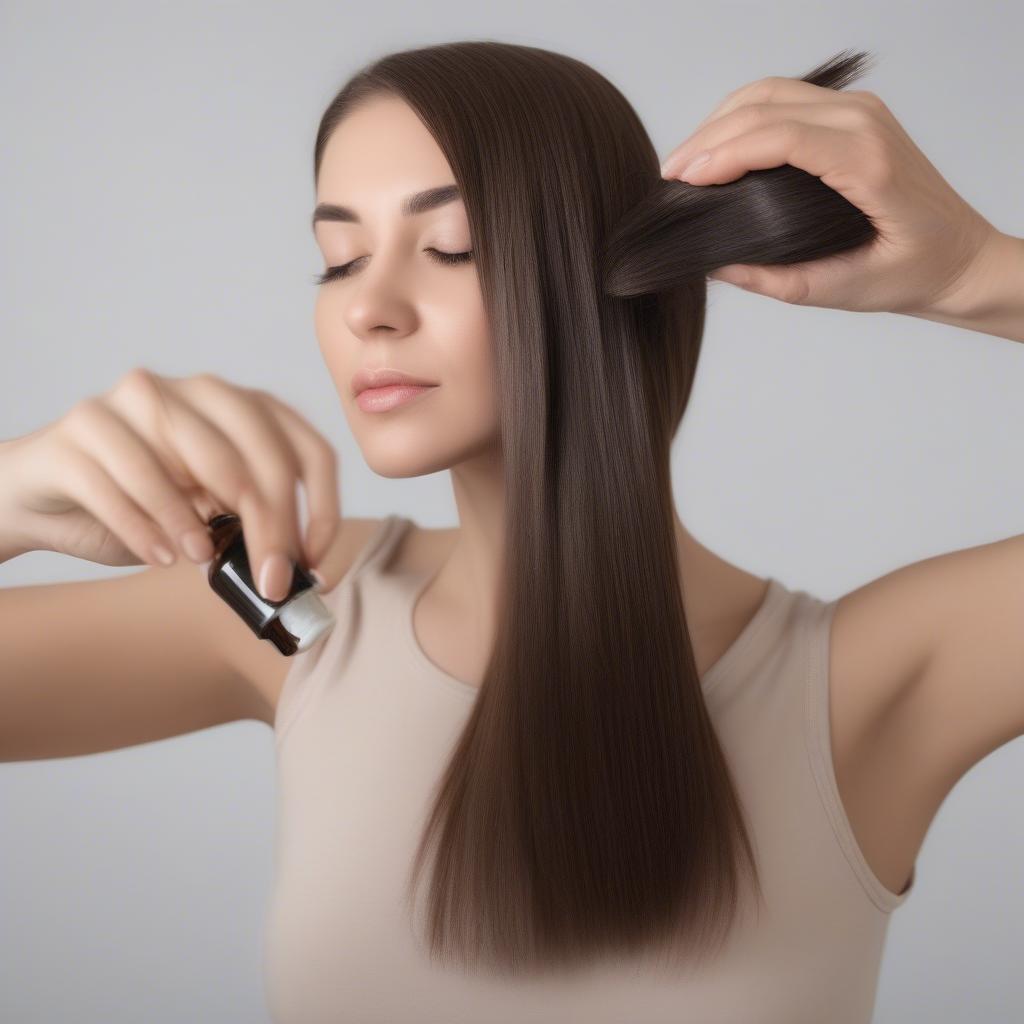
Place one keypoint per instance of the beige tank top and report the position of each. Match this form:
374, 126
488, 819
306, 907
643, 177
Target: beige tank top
364, 726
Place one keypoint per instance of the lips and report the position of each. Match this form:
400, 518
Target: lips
383, 377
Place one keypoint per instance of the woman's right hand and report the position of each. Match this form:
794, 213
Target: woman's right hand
145, 464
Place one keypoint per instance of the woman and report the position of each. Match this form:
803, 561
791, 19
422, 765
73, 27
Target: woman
647, 784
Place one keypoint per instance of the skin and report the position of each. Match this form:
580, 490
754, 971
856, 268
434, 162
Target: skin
401, 309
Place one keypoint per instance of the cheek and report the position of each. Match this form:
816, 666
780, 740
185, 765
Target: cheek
321, 324
471, 352
476, 393
336, 346
468, 369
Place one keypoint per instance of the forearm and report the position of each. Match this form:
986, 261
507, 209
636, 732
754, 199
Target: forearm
990, 299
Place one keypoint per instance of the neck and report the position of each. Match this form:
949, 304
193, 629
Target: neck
470, 578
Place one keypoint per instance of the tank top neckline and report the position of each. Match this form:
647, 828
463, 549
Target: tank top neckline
412, 585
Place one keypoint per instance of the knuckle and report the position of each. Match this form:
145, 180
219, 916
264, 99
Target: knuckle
260, 394
85, 415
269, 399
764, 90
137, 397
205, 383
871, 105
732, 94
864, 118
868, 98
138, 378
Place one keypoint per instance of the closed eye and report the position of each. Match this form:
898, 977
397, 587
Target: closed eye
447, 258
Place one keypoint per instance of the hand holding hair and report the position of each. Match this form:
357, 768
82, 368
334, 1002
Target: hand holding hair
932, 252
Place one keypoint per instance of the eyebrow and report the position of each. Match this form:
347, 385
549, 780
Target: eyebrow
418, 202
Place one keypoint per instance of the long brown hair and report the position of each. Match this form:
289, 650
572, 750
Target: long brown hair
588, 809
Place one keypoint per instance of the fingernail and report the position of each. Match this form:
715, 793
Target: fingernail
698, 161
163, 556
671, 162
197, 545
275, 577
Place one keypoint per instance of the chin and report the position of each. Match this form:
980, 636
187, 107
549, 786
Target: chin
402, 465
397, 452
419, 451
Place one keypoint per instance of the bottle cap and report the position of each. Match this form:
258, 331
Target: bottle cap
306, 617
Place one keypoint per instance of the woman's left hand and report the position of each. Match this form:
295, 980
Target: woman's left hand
931, 243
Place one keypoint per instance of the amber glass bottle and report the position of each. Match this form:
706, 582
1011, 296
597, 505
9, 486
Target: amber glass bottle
291, 625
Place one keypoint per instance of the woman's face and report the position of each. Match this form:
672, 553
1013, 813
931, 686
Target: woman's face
399, 306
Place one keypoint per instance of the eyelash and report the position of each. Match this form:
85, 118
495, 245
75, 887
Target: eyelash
447, 258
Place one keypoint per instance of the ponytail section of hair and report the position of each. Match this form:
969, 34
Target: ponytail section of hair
778, 215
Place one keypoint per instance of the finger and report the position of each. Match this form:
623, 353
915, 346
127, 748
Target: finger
96, 427
318, 462
777, 89
197, 455
86, 480
810, 283
848, 115
771, 90
272, 539
204, 455
786, 283
834, 156
204, 503
763, 90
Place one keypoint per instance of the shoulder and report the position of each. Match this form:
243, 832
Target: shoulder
352, 536
874, 656
259, 662
925, 670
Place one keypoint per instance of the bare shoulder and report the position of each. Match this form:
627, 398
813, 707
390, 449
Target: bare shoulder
258, 661
925, 670
876, 653
934, 650
887, 791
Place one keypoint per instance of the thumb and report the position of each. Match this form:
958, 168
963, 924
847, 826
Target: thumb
735, 273
787, 284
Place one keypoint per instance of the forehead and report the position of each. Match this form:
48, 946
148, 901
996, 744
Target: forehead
380, 146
